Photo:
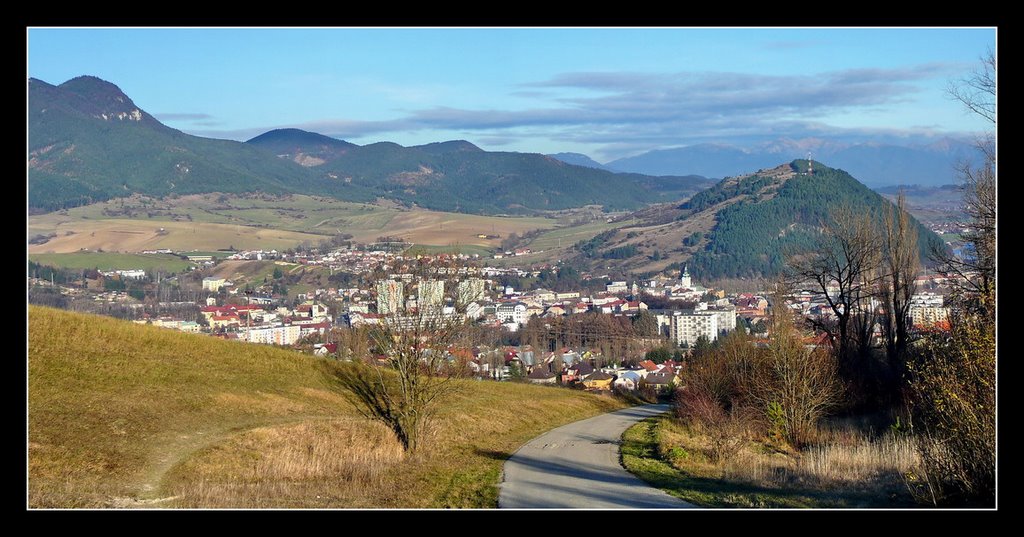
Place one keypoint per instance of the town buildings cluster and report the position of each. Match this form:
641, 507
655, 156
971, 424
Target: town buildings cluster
458, 286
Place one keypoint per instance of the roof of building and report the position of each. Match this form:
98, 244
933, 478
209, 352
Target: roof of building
649, 365
583, 368
540, 373
660, 377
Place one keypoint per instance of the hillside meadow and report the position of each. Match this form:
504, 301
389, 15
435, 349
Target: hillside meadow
213, 221
122, 415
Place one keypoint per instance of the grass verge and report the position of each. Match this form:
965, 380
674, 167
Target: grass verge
862, 473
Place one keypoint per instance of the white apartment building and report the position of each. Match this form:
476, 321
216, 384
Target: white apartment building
213, 284
921, 316
687, 328
726, 317
511, 312
469, 291
389, 296
431, 293
616, 287
279, 335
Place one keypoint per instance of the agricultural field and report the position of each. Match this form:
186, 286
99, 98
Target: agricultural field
112, 261
567, 236
122, 235
214, 221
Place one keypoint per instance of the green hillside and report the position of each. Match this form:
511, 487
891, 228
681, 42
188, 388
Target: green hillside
773, 213
89, 142
457, 178
122, 415
305, 148
743, 226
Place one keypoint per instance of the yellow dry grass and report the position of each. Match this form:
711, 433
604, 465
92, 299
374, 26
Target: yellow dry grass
116, 235
846, 469
245, 222
122, 415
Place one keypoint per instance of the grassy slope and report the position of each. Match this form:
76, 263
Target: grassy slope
668, 456
254, 222
112, 261
125, 415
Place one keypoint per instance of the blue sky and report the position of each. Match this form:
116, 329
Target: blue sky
606, 92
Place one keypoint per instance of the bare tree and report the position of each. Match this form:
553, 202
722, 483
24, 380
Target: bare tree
975, 275
977, 91
413, 370
841, 267
900, 263
953, 374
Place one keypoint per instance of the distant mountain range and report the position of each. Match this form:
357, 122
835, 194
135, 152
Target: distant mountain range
876, 165
580, 159
89, 142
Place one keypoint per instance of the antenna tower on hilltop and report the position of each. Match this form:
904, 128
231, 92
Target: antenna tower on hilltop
810, 164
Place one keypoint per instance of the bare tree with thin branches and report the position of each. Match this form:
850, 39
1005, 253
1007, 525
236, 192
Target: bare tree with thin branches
977, 91
952, 374
975, 275
413, 369
841, 267
900, 263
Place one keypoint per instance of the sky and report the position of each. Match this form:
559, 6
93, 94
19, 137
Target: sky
605, 92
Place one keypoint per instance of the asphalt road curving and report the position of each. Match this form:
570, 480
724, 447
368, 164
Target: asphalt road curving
576, 466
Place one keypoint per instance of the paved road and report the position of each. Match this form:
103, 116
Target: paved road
576, 466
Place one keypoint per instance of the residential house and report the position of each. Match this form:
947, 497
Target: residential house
541, 375
556, 310
628, 379
326, 349
599, 381
662, 381
534, 309
575, 371
224, 321
649, 366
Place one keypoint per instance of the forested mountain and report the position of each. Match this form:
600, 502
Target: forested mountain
302, 147
777, 214
89, 142
743, 226
457, 178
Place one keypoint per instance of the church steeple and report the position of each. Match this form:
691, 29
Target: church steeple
685, 280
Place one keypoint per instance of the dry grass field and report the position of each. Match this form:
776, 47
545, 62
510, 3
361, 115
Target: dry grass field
122, 415
845, 469
213, 221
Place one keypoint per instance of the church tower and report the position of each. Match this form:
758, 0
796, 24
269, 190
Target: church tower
686, 277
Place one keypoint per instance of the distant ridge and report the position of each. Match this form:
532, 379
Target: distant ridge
580, 159
874, 163
302, 147
89, 142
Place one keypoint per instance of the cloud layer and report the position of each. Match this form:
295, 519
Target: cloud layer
629, 111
